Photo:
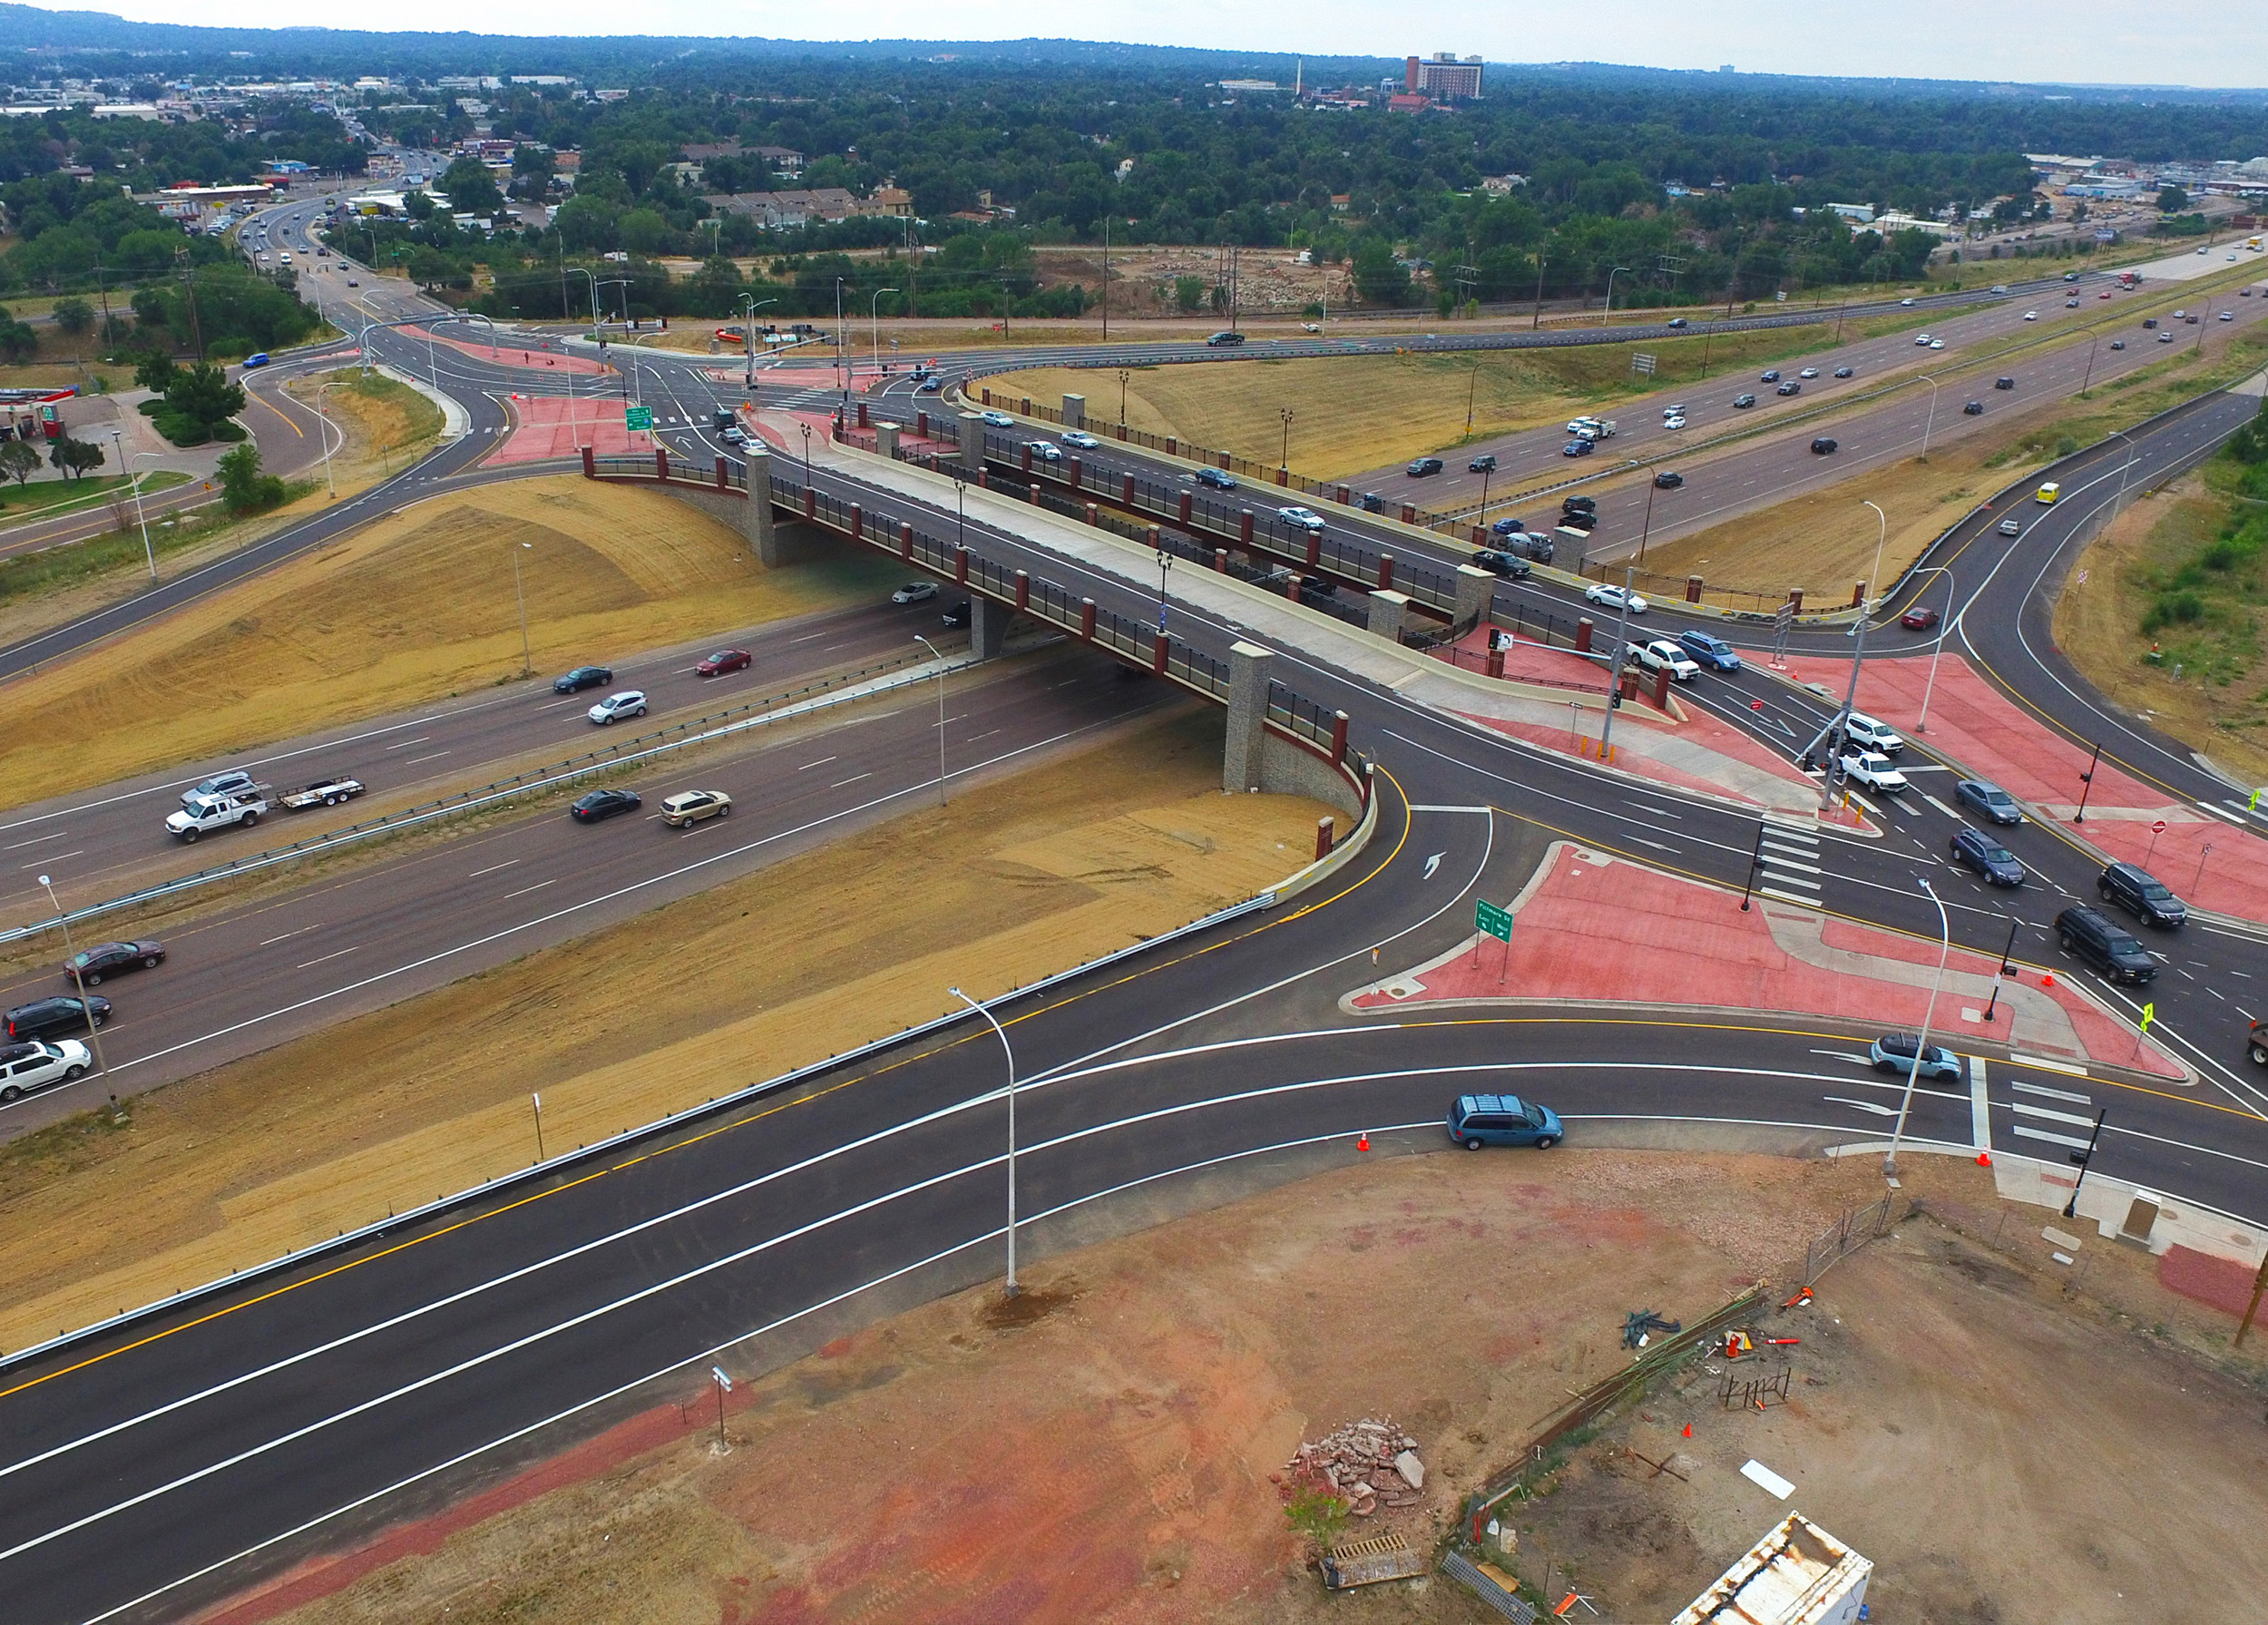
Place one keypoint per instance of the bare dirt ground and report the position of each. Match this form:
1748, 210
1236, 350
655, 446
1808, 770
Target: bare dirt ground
332, 1131
2006, 1455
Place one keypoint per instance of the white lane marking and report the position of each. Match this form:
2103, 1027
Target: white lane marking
2029, 1132
1789, 896
326, 958
420, 740
987, 734
2219, 813
436, 756
272, 941
820, 763
1809, 885
1417, 807
2052, 1095
1780, 860
35, 840
1979, 1108
491, 868
525, 890
58, 857
2053, 1066
1941, 805
1432, 865
1862, 1105
1642, 841
805, 638
2049, 1115
853, 779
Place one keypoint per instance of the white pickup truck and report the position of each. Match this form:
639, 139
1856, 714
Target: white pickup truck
1593, 429
218, 812
323, 792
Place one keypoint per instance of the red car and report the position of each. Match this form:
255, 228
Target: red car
1920, 618
724, 661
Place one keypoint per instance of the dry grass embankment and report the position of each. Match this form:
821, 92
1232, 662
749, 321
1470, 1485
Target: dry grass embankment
385, 423
414, 607
1061, 864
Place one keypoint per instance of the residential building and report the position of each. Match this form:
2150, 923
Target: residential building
1443, 76
1862, 212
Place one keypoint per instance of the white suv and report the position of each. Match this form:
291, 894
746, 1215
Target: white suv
629, 702
28, 1067
1868, 734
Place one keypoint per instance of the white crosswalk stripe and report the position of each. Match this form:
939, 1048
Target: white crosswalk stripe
1787, 857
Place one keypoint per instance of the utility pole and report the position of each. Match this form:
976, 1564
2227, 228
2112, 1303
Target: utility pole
1106, 279
1614, 667
2086, 782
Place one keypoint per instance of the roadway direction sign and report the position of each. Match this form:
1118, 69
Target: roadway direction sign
1496, 922
638, 417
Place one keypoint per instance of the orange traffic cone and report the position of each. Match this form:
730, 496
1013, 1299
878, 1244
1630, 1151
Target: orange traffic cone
2047, 978
1363, 1142
1984, 1159
1688, 1430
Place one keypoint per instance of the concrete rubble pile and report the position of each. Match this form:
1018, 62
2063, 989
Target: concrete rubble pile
1366, 1463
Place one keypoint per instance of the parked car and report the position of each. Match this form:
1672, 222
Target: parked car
1664, 655
1871, 768
1990, 859
1222, 341
1421, 467
914, 592
1842, 372
1895, 1052
2010, 527
1714, 652
1577, 448
597, 805
724, 661
1872, 732
1218, 479
88, 966
692, 807
629, 702
64, 1015
1669, 479
1081, 438
581, 678
1920, 618
1772, 376
1972, 409
1823, 446
1510, 566
1483, 464
1988, 799
1744, 401
1608, 596
1478, 1120
1790, 387
2092, 936
1305, 519
28, 1068
2141, 894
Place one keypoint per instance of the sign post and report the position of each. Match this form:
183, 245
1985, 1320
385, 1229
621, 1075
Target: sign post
1491, 921
724, 1386
637, 419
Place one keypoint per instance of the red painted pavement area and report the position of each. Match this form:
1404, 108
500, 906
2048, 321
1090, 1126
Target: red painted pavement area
529, 355
2223, 1283
1976, 724
1624, 932
552, 426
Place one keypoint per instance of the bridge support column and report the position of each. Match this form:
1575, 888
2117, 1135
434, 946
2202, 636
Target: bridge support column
1389, 614
972, 440
757, 523
1694, 584
1475, 586
1247, 717
988, 627
1074, 411
887, 438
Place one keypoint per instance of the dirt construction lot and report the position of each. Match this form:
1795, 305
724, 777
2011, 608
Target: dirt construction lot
2003, 1453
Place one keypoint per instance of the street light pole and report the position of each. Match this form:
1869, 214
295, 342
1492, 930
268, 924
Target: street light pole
1931, 422
939, 659
874, 324
1646, 527
1944, 627
141, 518
326, 422
749, 306
2086, 782
527, 660
1608, 315
1123, 375
1858, 654
1284, 462
2125, 471
1013, 1289
1922, 1053
71, 952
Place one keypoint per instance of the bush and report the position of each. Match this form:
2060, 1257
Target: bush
2184, 608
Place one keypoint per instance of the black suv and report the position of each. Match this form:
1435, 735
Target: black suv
1421, 467
66, 1016
2095, 938
2141, 894
1578, 505
1483, 464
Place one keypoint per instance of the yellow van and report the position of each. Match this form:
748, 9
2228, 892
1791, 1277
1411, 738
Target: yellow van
2048, 492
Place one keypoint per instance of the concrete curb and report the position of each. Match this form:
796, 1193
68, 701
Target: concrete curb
1342, 855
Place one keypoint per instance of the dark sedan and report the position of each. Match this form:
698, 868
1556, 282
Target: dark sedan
603, 804
88, 967
583, 677
64, 1016
1990, 859
1214, 478
724, 661
1668, 480
1772, 376
1990, 799
1510, 566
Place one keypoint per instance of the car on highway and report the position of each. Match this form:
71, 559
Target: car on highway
2166, 339
998, 420
2004, 383
2071, 304
1871, 768
1809, 372
914, 592
1667, 479
1770, 375
351, 282
1905, 302
1790, 387
64, 1015
1221, 341
1744, 401
1578, 519
1081, 438
1577, 448
1895, 1052
1666, 654
1305, 519
1920, 618
1421, 467
581, 678
1478, 1120
959, 616
1872, 732
2228, 316
1823, 446
2046, 495
1972, 409
629, 702
88, 966
1674, 422
1370, 501
597, 805
2141, 894
1679, 321
2010, 527
1844, 372
28, 1068
2031, 316
1608, 596
1922, 341
929, 386
692, 807
2104, 295
2150, 322
2118, 343
1218, 479
2092, 936
1714, 652
260, 358
1990, 859
234, 782
1483, 464
1044, 451
1937, 344
1578, 505
722, 661
1988, 799
1509, 526
1509, 566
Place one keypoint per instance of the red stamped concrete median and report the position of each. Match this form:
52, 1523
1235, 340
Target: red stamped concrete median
553, 426
2212, 860
1596, 929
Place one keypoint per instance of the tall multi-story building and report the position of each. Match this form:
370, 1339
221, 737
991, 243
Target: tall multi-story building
1442, 74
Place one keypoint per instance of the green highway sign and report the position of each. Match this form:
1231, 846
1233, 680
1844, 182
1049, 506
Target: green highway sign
1496, 922
638, 417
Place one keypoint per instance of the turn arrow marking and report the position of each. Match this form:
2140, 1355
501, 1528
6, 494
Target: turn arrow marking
1434, 863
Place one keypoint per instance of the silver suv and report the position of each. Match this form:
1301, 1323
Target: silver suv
629, 702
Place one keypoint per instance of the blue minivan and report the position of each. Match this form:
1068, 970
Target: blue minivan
1478, 1120
1713, 652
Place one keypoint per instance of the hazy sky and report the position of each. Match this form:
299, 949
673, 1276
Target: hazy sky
2168, 42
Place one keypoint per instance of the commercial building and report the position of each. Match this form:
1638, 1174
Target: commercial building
1442, 75
785, 210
